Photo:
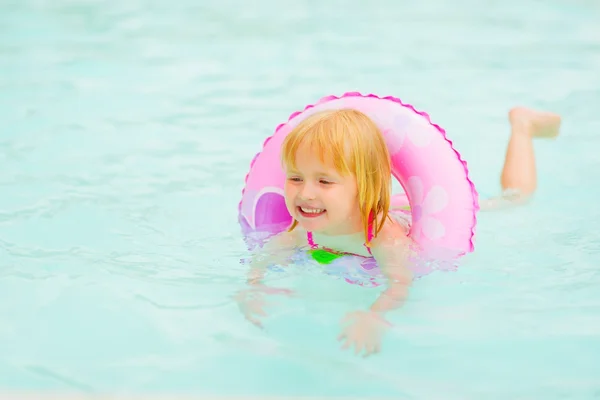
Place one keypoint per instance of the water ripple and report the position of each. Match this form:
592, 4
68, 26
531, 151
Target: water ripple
128, 128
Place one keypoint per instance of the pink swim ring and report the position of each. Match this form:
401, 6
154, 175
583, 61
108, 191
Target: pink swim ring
440, 197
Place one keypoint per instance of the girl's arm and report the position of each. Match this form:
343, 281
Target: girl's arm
391, 250
275, 251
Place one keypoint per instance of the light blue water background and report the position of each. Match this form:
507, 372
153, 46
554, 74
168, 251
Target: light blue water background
127, 129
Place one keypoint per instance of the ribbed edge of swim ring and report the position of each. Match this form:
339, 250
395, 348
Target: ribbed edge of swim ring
396, 100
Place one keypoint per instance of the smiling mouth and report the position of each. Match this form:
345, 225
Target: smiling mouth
308, 212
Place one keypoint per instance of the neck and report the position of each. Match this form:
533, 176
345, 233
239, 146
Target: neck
352, 227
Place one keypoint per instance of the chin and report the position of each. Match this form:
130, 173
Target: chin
313, 226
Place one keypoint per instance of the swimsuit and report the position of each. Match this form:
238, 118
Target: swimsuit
333, 254
315, 247
356, 269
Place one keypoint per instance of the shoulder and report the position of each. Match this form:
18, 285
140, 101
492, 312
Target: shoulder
391, 248
284, 239
391, 231
277, 249
392, 238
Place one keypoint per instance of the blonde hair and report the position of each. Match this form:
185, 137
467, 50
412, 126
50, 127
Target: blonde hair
356, 146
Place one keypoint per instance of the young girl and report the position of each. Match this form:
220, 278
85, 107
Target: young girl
338, 192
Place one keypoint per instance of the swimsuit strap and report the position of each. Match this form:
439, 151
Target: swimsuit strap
311, 242
370, 236
313, 245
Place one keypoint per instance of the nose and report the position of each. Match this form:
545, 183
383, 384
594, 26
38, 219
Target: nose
307, 192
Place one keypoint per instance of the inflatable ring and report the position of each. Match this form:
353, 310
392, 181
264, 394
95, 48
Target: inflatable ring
440, 197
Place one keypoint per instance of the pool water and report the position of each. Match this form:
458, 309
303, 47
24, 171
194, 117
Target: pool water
128, 128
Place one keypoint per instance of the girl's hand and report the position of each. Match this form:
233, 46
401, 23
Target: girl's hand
364, 330
251, 302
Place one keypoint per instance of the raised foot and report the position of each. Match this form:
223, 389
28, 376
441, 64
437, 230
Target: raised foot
540, 124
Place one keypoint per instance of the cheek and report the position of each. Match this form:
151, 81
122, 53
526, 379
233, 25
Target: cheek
287, 191
290, 192
289, 199
350, 198
340, 200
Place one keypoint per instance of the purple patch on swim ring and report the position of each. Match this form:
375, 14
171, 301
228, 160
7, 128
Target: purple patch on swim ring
417, 213
369, 264
271, 210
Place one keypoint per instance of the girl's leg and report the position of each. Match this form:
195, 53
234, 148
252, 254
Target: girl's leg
519, 179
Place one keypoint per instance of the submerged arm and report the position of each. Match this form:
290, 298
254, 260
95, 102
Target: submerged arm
391, 252
392, 257
276, 251
250, 300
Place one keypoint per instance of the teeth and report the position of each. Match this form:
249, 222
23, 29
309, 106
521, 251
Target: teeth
312, 210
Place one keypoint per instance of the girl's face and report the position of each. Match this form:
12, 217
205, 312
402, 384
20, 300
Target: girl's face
319, 197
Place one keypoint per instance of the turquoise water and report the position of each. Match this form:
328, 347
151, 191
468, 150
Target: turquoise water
128, 128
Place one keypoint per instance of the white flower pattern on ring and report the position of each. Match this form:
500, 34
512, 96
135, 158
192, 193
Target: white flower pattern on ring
424, 206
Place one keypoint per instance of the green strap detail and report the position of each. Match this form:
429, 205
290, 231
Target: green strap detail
323, 256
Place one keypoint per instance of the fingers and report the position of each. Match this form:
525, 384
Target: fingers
377, 348
252, 310
252, 304
291, 293
253, 320
360, 347
252, 316
346, 343
275, 290
285, 292
372, 348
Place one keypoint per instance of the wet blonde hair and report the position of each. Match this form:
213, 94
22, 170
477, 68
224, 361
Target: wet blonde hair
356, 146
